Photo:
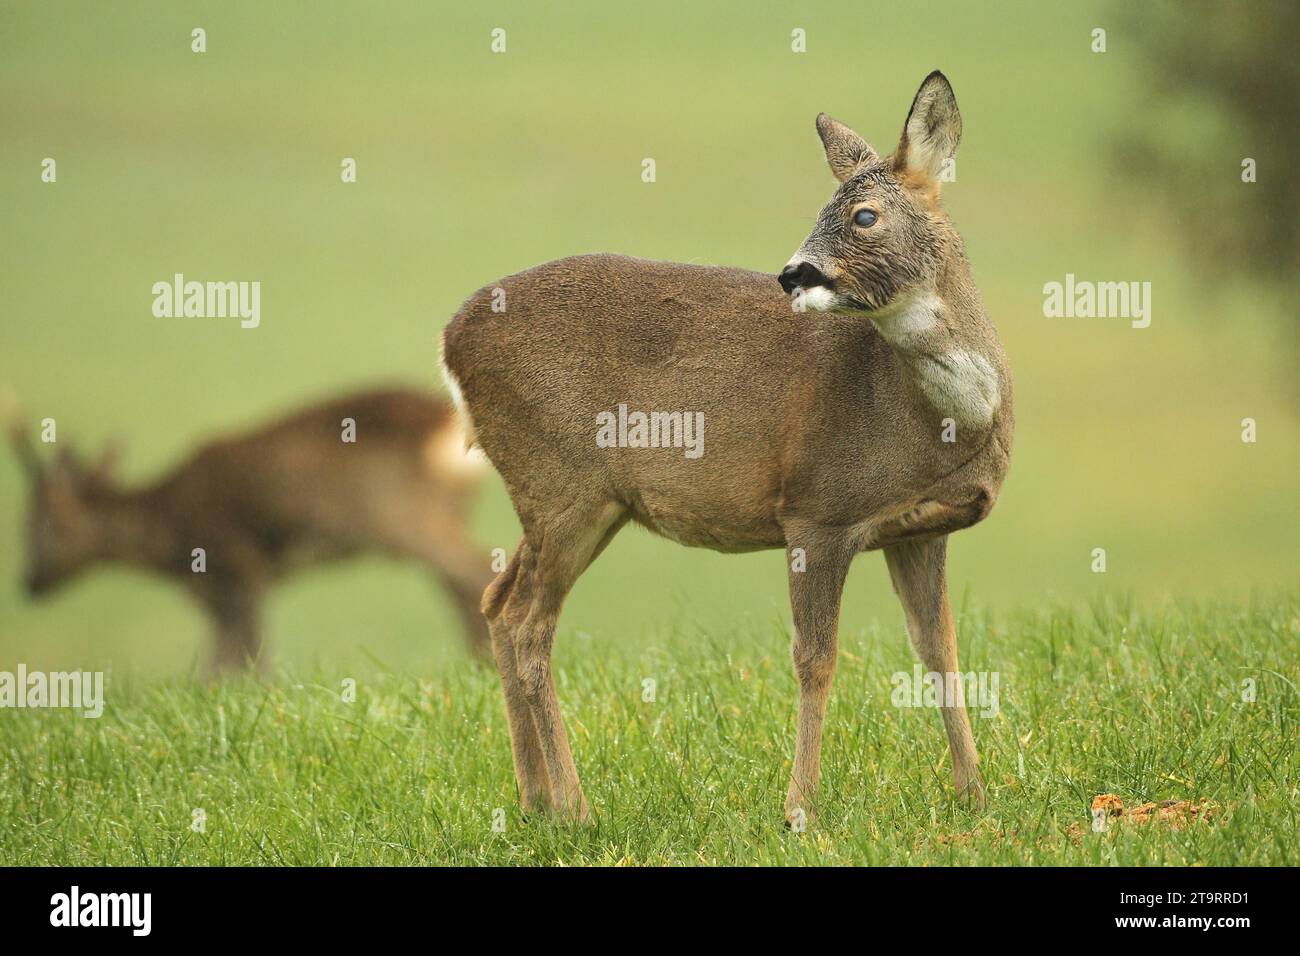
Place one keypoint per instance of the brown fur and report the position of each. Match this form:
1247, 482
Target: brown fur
264, 502
818, 437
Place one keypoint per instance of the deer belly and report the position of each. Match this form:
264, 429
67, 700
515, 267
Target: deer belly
718, 529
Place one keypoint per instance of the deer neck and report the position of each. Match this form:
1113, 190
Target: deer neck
134, 530
948, 355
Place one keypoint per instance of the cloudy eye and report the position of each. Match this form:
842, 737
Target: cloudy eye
864, 218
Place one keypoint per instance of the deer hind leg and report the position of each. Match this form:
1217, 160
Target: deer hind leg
559, 548
505, 604
919, 574
815, 590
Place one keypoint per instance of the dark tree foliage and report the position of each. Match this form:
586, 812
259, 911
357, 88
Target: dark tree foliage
1229, 72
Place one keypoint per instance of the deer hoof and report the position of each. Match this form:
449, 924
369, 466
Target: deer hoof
971, 794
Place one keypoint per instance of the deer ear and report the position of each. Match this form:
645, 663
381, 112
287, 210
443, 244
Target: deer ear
846, 151
19, 439
24, 451
932, 131
106, 464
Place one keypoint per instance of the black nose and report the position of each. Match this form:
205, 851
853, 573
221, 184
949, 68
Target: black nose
803, 274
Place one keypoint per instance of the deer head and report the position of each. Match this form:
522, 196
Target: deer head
884, 235
65, 533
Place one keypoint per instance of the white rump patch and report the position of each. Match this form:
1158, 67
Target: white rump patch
453, 386
448, 459
458, 401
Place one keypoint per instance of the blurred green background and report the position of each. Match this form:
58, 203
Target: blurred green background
474, 165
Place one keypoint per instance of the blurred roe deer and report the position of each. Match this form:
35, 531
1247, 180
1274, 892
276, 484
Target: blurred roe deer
873, 415
263, 502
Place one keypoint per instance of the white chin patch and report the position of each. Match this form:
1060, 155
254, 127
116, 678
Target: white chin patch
818, 299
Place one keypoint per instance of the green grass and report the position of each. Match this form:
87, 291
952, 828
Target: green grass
1144, 705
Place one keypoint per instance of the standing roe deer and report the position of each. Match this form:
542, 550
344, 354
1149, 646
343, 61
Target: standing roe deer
880, 420
265, 502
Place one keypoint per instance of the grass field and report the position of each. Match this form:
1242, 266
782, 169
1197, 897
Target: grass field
471, 165
1144, 706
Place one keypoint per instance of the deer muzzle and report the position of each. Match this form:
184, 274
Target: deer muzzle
800, 273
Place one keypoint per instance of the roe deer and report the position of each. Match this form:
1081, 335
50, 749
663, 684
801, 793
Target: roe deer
264, 502
880, 420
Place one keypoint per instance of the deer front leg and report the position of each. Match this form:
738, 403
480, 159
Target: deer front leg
918, 570
818, 564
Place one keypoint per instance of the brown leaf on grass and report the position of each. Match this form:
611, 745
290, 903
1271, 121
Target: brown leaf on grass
953, 839
1174, 813
1112, 804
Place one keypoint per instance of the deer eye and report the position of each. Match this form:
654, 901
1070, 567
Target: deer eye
864, 218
